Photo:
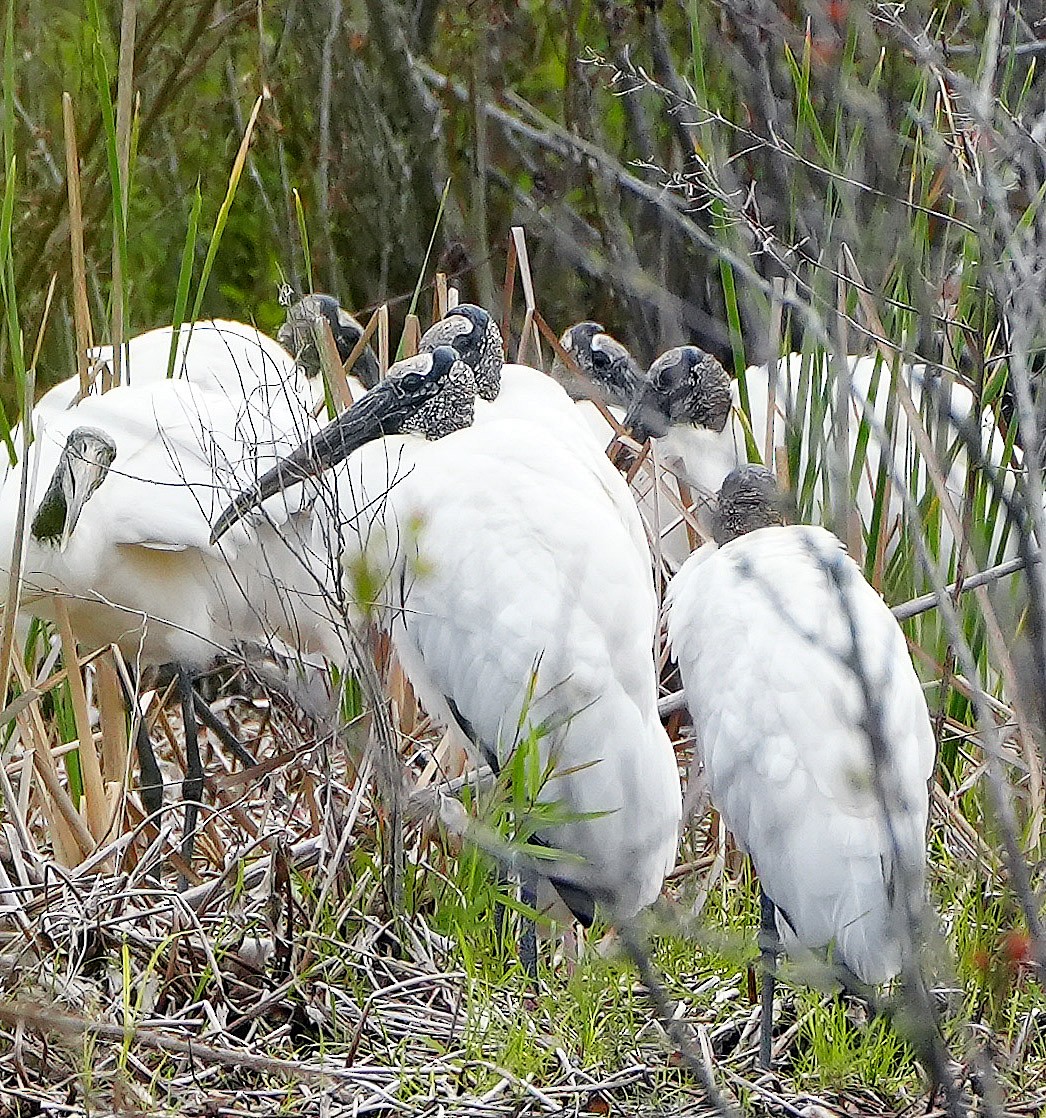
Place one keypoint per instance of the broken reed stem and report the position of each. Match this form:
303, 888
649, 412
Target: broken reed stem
411, 335
91, 771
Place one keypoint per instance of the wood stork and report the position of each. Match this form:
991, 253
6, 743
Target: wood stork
672, 404
297, 336
528, 396
123, 487
517, 605
232, 357
694, 391
812, 730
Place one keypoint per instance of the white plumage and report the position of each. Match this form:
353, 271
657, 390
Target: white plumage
513, 391
137, 567
517, 603
762, 638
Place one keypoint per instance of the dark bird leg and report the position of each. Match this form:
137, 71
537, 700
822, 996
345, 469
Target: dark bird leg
208, 718
151, 786
769, 948
192, 786
528, 936
151, 782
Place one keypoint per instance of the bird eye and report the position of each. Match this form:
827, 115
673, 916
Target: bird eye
412, 382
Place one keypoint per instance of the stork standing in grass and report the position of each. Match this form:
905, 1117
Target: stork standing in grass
518, 606
813, 734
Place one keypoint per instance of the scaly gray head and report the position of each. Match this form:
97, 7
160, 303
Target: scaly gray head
748, 499
297, 336
608, 371
476, 338
683, 386
431, 395
82, 466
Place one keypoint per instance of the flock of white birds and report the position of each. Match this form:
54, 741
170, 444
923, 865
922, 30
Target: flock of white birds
189, 515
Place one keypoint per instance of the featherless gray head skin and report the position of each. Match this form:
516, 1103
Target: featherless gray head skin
297, 337
609, 372
475, 336
432, 395
83, 466
748, 499
683, 386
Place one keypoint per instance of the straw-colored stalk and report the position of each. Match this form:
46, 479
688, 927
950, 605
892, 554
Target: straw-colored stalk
96, 806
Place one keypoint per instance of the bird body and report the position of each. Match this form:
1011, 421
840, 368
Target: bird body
509, 587
518, 606
761, 628
527, 396
136, 567
213, 354
703, 457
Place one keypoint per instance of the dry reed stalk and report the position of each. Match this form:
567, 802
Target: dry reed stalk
14, 579
529, 335
439, 297
411, 335
383, 338
73, 841
90, 767
115, 744
330, 365
687, 500
401, 694
453, 298
784, 474
81, 307
508, 290
361, 345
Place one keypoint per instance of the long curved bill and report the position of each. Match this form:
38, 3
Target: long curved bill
643, 417
381, 411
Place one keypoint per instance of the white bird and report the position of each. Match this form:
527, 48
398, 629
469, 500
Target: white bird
812, 730
234, 358
694, 396
517, 605
802, 400
123, 488
510, 390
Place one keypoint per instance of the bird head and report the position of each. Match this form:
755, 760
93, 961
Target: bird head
748, 499
82, 466
686, 385
431, 395
476, 338
608, 371
297, 336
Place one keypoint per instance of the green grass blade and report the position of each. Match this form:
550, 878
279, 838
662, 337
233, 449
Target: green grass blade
412, 309
223, 210
304, 234
181, 297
